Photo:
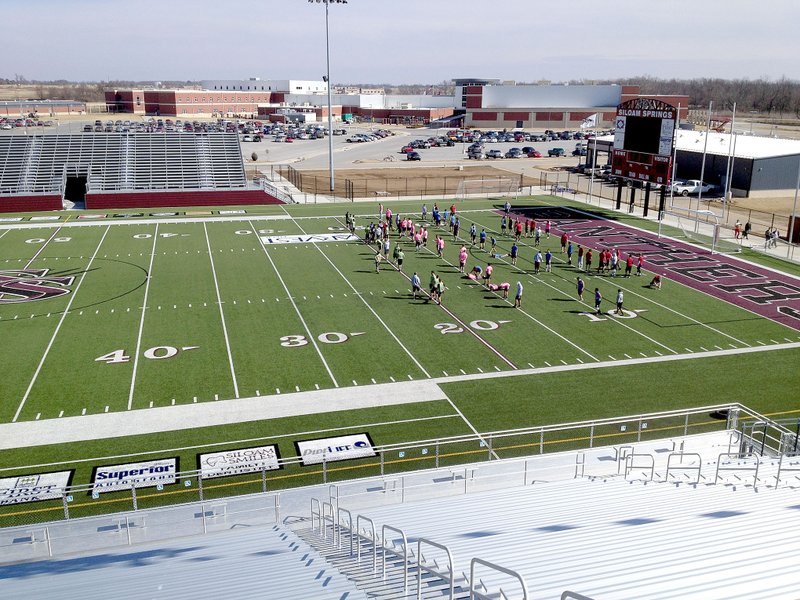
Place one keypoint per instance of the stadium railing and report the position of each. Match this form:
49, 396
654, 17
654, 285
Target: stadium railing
194, 504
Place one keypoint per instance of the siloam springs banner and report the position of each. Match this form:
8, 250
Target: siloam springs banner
112, 478
34, 487
238, 461
345, 447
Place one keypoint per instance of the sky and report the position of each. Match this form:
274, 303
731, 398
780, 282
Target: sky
399, 41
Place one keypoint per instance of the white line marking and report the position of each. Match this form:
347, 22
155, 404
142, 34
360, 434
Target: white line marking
376, 315
58, 327
222, 315
310, 337
296, 434
141, 320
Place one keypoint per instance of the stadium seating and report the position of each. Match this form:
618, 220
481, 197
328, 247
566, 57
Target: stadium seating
121, 162
648, 532
261, 562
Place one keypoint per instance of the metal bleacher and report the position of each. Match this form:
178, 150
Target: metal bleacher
262, 562
705, 524
121, 162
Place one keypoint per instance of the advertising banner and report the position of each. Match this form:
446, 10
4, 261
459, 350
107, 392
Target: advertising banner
144, 474
236, 462
308, 239
33, 488
346, 447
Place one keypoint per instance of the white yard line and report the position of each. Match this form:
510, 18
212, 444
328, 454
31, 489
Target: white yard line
376, 315
471, 426
632, 292
522, 311
58, 328
141, 320
310, 337
222, 314
589, 307
50, 239
313, 433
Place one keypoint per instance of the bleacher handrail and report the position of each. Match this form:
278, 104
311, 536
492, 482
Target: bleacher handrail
448, 576
373, 540
390, 549
473, 592
630, 464
692, 467
739, 468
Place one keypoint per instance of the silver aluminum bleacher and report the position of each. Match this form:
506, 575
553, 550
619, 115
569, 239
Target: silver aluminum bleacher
121, 162
704, 524
248, 562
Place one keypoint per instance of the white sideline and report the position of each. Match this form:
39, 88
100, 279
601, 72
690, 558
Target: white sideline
25, 434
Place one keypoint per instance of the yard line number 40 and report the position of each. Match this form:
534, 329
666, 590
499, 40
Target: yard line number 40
154, 353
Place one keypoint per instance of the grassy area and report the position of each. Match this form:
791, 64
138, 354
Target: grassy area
230, 314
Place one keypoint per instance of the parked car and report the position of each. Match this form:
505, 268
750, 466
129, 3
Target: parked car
691, 186
534, 153
494, 154
413, 156
556, 152
476, 153
514, 153
406, 149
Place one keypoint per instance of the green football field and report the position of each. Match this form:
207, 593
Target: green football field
120, 316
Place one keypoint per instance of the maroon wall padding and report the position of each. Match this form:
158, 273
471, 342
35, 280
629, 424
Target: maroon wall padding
30, 203
170, 199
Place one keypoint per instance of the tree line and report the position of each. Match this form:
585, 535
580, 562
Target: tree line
780, 97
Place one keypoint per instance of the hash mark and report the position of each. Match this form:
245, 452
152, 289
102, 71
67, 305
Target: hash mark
496, 368
373, 380
410, 378
659, 353
151, 404
297, 388
216, 396
61, 414
463, 372
480, 370
355, 382
392, 378
547, 363
83, 412
626, 355
277, 390
579, 360
445, 374
37, 416
316, 385
106, 409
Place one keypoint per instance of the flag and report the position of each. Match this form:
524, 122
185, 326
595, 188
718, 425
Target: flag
589, 122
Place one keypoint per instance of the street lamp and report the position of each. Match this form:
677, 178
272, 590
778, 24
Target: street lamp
328, 81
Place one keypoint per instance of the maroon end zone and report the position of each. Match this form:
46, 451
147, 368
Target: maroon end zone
768, 293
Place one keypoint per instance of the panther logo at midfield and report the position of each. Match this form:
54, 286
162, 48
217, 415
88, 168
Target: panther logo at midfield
27, 285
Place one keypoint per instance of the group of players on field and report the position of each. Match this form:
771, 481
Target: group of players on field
610, 260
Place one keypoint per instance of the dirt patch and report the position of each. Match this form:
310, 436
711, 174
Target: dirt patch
407, 180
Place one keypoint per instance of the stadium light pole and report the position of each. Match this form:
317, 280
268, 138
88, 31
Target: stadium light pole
328, 81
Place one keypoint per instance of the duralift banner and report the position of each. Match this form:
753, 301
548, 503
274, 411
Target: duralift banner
33, 488
346, 447
144, 474
319, 238
237, 462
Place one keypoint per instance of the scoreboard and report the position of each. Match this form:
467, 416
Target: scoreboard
643, 140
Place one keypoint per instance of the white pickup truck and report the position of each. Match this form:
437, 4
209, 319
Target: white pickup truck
691, 186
